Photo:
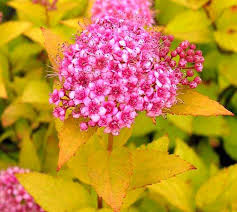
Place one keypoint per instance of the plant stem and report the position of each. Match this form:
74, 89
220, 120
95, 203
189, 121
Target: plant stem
99, 202
110, 142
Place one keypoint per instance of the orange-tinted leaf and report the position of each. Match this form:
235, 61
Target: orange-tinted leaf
195, 104
71, 138
110, 174
53, 45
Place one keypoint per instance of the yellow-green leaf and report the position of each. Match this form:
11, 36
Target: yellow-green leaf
15, 111
79, 163
76, 23
190, 25
227, 39
182, 122
143, 125
35, 34
51, 155
150, 166
54, 194
161, 144
28, 155
110, 174
71, 138
62, 8
210, 126
219, 192
132, 197
195, 104
3, 69
217, 7
227, 68
177, 192
12, 29
53, 45
29, 11
193, 4
118, 140
198, 176
36, 92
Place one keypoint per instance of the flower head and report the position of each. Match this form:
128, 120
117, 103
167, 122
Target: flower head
136, 10
13, 196
116, 68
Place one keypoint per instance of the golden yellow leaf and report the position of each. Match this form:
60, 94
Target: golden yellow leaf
195, 104
53, 45
11, 29
71, 138
110, 174
150, 166
55, 194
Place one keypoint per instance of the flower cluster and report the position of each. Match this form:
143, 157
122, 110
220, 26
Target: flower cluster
116, 68
13, 197
136, 10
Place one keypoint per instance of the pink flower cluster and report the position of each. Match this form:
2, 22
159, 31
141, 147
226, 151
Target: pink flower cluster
13, 197
116, 68
135, 10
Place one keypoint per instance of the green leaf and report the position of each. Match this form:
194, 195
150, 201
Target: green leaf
207, 153
182, 122
198, 176
22, 53
190, 25
143, 125
230, 141
193, 4
28, 155
15, 111
210, 126
71, 138
62, 8
110, 175
54, 194
29, 11
36, 92
219, 192
167, 10
12, 29
6, 161
3, 70
227, 68
196, 104
177, 192
150, 166
51, 155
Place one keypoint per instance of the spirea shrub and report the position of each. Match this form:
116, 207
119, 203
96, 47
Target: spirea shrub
13, 197
116, 68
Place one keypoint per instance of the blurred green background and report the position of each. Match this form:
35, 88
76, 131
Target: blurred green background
27, 133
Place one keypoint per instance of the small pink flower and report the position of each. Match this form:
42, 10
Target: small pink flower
135, 10
13, 197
